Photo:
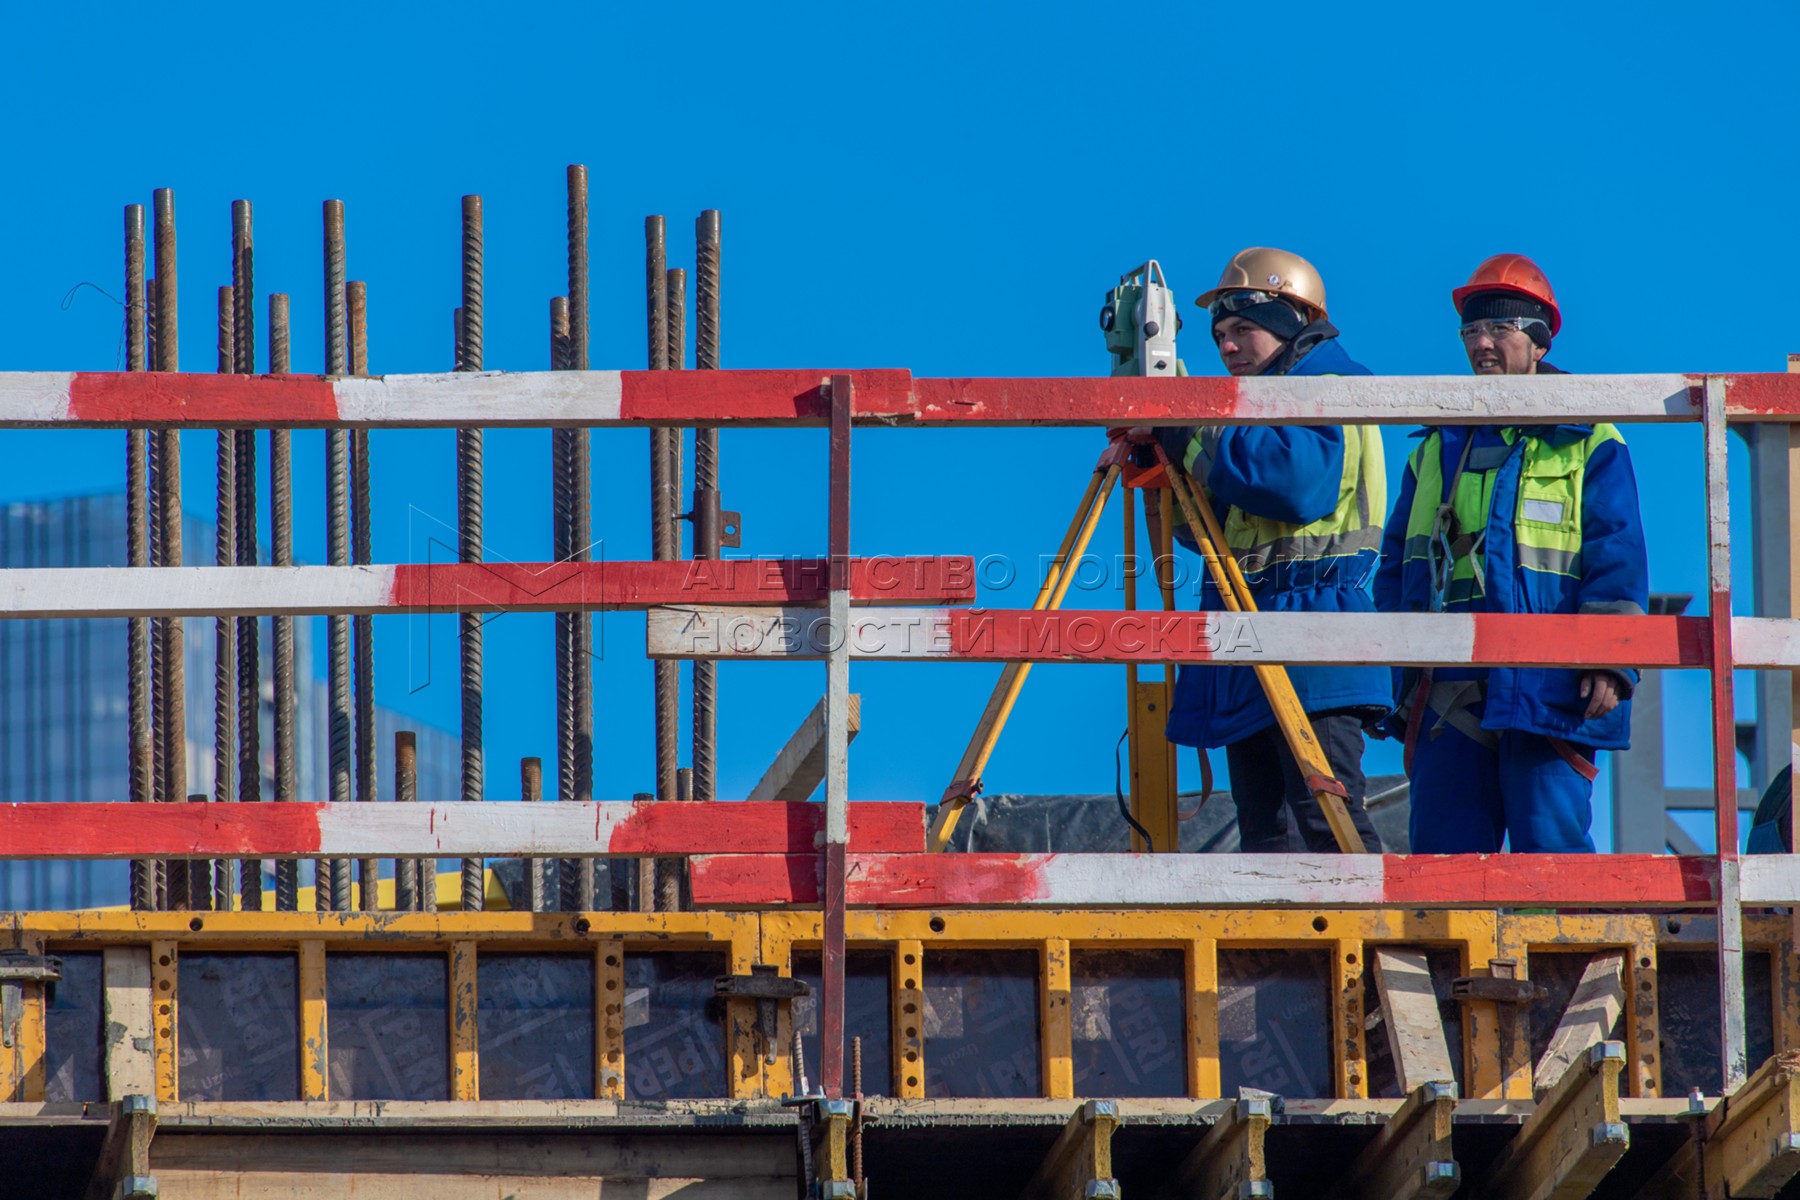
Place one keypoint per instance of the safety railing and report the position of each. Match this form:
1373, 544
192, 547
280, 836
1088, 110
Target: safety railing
799, 617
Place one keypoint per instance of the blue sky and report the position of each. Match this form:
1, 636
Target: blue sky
943, 188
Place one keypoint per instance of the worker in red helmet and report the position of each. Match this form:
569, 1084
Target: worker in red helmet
1511, 519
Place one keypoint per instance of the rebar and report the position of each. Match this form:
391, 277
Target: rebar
856, 1125
361, 553
281, 553
662, 528
406, 791
468, 538
670, 872
249, 632
706, 494
531, 790
581, 520
156, 870
173, 694
569, 895
137, 552
225, 659
333, 891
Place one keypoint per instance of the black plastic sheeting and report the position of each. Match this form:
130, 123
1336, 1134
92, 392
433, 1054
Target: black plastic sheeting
674, 1026
1687, 991
1275, 1021
868, 1014
388, 1026
240, 1026
981, 1023
1069, 824
74, 1054
535, 1015
1129, 1015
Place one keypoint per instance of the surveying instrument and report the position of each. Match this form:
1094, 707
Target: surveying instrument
1140, 321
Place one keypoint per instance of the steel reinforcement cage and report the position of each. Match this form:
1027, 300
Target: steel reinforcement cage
822, 888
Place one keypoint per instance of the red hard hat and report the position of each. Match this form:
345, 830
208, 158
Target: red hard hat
1511, 273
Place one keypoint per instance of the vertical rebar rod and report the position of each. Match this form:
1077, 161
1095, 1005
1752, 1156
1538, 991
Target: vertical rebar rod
281, 553
173, 694
531, 790
670, 871
137, 552
581, 518
249, 632
468, 538
362, 535
662, 547
156, 869
412, 881
706, 495
333, 890
569, 895
225, 659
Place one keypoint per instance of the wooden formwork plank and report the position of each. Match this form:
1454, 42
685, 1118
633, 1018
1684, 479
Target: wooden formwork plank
1415, 1031
1079, 1164
130, 1034
1411, 1158
1572, 1138
122, 1171
1593, 1010
1748, 1146
799, 766
1229, 1163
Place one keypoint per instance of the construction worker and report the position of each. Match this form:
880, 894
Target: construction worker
1512, 519
1302, 511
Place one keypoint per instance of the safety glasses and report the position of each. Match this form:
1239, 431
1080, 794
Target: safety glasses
1497, 328
1232, 302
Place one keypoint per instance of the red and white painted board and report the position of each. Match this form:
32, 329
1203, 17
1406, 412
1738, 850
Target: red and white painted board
469, 587
1154, 636
492, 829
883, 397
1233, 880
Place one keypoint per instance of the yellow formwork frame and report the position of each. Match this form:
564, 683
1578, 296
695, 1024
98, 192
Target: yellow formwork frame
1497, 1059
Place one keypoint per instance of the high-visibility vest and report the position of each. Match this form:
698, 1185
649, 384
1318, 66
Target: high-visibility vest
1546, 523
1350, 528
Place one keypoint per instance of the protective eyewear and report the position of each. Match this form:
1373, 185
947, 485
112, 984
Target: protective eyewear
1232, 302
1496, 328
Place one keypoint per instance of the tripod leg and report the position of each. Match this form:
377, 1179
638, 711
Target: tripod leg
1012, 677
1276, 685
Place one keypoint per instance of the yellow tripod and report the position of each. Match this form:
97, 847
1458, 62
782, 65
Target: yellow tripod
1203, 522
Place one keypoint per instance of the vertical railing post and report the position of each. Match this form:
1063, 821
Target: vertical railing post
837, 742
1732, 1040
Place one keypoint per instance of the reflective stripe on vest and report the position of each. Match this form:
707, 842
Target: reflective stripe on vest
1353, 526
1546, 522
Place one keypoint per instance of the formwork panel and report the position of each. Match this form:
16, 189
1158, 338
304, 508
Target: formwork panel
674, 1026
868, 1014
74, 1023
389, 1026
535, 1015
1688, 994
239, 1026
981, 1023
1129, 1022
1275, 1021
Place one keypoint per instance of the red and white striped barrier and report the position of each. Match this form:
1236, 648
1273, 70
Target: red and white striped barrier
494, 829
882, 397
469, 587
1232, 880
1154, 636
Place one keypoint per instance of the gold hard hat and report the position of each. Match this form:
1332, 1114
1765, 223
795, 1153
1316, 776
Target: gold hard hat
1263, 269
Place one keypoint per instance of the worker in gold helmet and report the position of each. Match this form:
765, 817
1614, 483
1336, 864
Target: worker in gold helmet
1512, 519
1302, 514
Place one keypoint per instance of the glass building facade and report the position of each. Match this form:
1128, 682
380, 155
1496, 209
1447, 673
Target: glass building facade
64, 725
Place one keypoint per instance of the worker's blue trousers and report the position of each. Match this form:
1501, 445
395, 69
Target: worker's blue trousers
1466, 798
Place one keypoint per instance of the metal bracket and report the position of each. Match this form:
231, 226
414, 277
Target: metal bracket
17, 968
1501, 985
715, 527
768, 987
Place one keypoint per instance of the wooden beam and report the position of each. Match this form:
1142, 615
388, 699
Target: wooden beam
1571, 1139
1593, 1010
1229, 1163
1079, 1165
130, 1040
1411, 1158
1749, 1144
122, 1171
799, 767
1415, 1030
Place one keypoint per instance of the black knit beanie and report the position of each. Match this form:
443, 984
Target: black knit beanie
1493, 306
1276, 316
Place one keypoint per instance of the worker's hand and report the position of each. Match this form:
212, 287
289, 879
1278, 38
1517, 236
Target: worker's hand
1601, 690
